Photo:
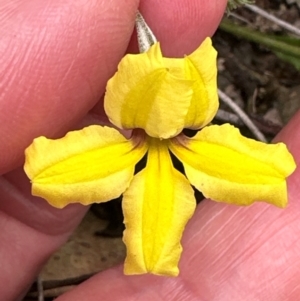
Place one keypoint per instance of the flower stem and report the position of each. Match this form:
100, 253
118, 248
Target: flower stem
274, 43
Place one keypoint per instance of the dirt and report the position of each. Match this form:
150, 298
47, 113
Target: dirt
266, 87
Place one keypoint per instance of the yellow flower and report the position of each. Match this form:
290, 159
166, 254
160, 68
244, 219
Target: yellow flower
158, 97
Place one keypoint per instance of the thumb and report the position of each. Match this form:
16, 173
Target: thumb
56, 56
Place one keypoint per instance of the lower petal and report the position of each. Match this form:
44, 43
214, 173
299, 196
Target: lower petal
227, 167
95, 164
156, 207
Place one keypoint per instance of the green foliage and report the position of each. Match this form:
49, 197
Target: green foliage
285, 47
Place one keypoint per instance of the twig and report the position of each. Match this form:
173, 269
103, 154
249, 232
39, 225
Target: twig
225, 116
244, 117
240, 18
50, 284
40, 288
274, 19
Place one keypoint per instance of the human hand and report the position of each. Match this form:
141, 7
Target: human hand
225, 253
56, 59
230, 253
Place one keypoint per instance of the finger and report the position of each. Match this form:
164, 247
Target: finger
18, 203
65, 51
23, 252
230, 253
33, 261
17, 178
181, 26
100, 286
56, 58
38, 230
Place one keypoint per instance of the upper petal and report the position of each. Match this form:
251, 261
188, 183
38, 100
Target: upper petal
146, 93
156, 207
202, 66
95, 164
230, 168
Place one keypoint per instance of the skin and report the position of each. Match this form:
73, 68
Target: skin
56, 57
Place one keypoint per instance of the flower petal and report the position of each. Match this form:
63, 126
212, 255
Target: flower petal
95, 164
156, 207
146, 94
202, 66
227, 167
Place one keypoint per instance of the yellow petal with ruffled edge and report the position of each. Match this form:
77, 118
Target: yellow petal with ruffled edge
147, 94
156, 207
227, 167
95, 164
202, 66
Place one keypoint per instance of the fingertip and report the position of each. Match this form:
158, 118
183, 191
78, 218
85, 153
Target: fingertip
181, 26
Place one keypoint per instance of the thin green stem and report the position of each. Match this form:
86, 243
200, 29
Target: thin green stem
258, 37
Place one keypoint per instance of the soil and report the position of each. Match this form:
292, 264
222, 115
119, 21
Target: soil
267, 88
